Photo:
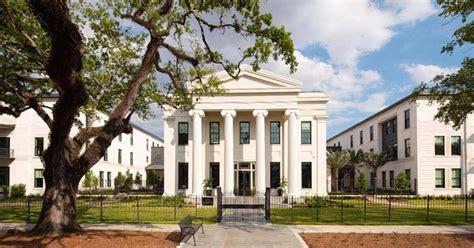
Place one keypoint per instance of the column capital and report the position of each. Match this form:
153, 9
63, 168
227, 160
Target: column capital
321, 118
290, 112
257, 112
198, 112
230, 112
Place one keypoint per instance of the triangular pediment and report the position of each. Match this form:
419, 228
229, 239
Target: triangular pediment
258, 81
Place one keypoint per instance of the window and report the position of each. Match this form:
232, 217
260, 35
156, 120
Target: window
214, 133
101, 179
407, 148
306, 132
371, 150
439, 178
274, 175
395, 151
244, 132
456, 178
390, 126
131, 139
131, 158
182, 175
339, 143
120, 137
39, 146
38, 178
147, 159
392, 178
274, 132
153, 144
306, 175
372, 179
106, 155
455, 145
352, 141
439, 145
147, 142
371, 131
407, 119
361, 137
109, 179
182, 134
214, 168
384, 179
119, 159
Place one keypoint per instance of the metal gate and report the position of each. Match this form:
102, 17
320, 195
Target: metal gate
243, 208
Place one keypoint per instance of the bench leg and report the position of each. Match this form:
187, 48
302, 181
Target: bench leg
194, 239
202, 227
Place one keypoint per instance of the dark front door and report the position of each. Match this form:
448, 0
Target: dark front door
4, 176
244, 182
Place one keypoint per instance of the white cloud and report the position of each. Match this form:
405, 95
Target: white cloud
425, 73
371, 103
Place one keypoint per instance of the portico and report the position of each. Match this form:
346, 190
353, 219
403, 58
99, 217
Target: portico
263, 130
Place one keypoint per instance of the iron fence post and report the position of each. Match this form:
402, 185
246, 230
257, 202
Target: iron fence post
267, 204
101, 209
175, 207
365, 208
428, 209
465, 206
342, 209
28, 204
138, 208
389, 208
317, 208
292, 210
219, 204
196, 198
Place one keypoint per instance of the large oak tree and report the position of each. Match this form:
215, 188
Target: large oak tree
117, 56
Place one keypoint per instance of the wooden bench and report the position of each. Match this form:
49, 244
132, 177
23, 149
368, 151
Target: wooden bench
189, 228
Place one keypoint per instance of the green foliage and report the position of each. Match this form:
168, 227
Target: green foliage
362, 182
128, 183
337, 159
454, 92
322, 202
119, 180
17, 190
138, 179
401, 182
90, 182
283, 183
207, 183
151, 178
374, 160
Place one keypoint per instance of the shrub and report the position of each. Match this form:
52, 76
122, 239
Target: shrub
91, 182
362, 182
402, 181
17, 190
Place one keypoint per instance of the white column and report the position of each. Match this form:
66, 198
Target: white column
320, 179
260, 167
293, 180
229, 151
198, 169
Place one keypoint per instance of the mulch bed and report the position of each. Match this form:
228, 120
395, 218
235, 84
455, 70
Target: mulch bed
102, 239
387, 240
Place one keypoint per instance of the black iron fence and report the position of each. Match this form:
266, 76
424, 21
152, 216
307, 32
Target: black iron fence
372, 209
117, 209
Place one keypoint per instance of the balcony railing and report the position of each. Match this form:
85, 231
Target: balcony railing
6, 153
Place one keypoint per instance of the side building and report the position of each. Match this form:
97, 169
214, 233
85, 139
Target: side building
23, 140
435, 158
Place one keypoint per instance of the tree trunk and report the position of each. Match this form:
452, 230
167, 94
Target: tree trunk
337, 180
58, 214
352, 178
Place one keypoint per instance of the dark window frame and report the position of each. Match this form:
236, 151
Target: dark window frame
119, 156
306, 138
456, 149
242, 139
275, 135
453, 178
109, 179
438, 150
183, 137
106, 155
101, 179
274, 175
305, 183
131, 139
407, 148
407, 118
215, 135
371, 133
131, 158
361, 138
183, 176
39, 146
39, 181
391, 175
443, 185
384, 179
215, 180
352, 141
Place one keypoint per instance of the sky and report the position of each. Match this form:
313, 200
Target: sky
365, 55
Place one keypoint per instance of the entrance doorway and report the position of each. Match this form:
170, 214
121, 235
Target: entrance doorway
244, 177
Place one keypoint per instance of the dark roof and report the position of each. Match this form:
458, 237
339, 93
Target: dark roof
393, 105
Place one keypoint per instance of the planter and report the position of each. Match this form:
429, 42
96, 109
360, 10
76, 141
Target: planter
207, 201
208, 192
280, 191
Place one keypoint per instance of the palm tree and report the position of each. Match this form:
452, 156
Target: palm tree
336, 160
355, 159
374, 161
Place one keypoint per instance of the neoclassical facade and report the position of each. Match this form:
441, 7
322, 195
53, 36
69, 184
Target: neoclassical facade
263, 130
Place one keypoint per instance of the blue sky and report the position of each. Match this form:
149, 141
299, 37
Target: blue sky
363, 54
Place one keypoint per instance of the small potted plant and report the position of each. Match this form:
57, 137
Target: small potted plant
207, 183
281, 188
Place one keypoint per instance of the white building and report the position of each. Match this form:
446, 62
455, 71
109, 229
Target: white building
433, 155
263, 129
23, 139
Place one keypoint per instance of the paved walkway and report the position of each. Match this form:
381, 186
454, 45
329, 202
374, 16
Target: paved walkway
246, 235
